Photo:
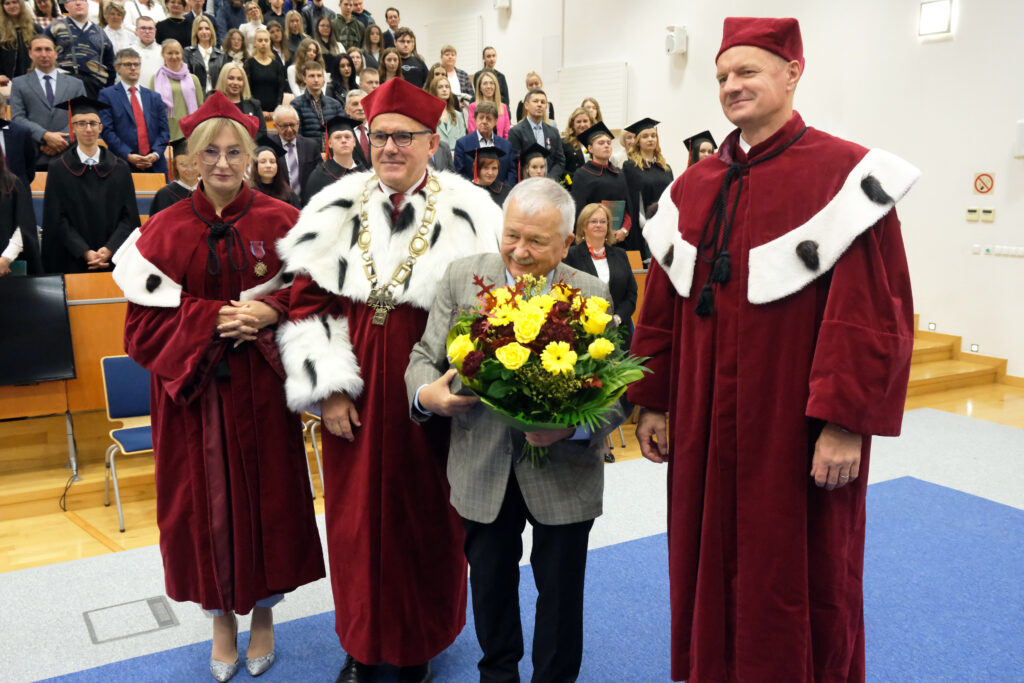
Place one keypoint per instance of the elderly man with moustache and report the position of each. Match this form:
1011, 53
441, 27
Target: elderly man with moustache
494, 491
779, 322
366, 254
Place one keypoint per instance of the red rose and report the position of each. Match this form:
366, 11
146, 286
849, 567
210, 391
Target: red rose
471, 364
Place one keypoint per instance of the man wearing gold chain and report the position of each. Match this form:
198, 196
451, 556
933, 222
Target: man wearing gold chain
367, 254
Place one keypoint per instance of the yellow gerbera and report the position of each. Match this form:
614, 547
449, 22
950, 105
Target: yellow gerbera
599, 348
459, 347
501, 295
512, 355
543, 303
558, 358
503, 315
561, 292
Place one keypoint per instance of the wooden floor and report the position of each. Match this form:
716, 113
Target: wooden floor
34, 531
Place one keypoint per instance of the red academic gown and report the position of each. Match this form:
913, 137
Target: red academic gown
765, 566
394, 541
233, 505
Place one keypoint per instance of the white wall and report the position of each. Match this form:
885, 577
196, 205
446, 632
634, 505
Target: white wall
949, 107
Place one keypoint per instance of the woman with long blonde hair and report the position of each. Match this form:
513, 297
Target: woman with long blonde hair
16, 32
575, 154
647, 173
487, 90
234, 83
293, 33
266, 73
203, 58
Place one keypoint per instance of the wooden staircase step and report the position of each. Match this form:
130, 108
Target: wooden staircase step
942, 375
926, 350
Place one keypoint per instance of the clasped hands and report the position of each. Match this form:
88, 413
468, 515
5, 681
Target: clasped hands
98, 258
242, 320
836, 460
140, 161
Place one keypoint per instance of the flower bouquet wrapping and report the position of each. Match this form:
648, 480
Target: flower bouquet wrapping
542, 360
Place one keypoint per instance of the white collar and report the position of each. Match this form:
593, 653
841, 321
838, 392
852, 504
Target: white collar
84, 157
483, 142
408, 193
744, 145
190, 188
81, 27
138, 88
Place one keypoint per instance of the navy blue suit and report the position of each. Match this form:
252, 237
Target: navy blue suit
119, 131
465, 150
20, 151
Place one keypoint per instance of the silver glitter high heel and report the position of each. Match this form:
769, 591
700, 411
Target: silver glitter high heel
223, 671
260, 664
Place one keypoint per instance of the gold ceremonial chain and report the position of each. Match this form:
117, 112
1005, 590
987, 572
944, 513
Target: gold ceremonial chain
382, 299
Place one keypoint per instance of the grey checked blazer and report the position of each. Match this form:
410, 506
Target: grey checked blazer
30, 108
570, 487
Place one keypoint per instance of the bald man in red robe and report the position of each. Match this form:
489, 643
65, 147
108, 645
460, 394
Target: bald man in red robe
779, 322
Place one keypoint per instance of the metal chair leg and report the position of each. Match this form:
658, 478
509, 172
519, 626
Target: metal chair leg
622, 436
117, 491
106, 475
316, 451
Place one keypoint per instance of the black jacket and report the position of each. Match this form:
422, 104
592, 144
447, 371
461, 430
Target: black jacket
194, 60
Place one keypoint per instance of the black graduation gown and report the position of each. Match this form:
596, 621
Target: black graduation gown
647, 183
169, 194
16, 214
498, 191
325, 173
573, 158
595, 184
85, 207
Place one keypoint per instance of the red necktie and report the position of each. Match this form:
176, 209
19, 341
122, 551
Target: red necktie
396, 206
140, 123
364, 143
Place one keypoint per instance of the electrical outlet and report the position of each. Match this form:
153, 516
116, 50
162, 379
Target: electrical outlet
973, 214
988, 215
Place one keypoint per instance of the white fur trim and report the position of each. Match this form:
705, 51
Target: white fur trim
322, 238
676, 256
133, 237
141, 281
318, 359
776, 271
270, 286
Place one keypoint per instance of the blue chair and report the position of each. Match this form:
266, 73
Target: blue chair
126, 389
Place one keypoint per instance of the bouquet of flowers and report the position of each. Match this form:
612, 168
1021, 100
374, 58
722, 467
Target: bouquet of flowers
542, 360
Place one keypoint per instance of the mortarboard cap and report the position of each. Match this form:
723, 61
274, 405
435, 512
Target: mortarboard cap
703, 135
342, 123
590, 133
642, 125
778, 36
218, 105
534, 150
489, 153
397, 96
82, 105
176, 148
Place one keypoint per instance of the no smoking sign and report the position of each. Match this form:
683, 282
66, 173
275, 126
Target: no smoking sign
984, 183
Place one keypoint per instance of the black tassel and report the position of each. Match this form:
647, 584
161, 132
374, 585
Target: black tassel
705, 302
808, 253
722, 269
670, 255
873, 189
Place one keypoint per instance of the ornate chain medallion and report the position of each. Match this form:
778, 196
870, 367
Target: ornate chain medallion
382, 299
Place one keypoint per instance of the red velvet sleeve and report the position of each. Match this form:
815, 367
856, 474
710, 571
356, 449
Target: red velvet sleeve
861, 361
653, 337
178, 345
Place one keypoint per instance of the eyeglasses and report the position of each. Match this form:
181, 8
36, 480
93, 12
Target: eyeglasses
401, 138
287, 125
211, 156
130, 65
86, 124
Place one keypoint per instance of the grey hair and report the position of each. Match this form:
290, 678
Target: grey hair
284, 109
533, 195
126, 52
354, 93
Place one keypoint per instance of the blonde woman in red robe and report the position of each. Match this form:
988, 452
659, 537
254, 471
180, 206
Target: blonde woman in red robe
206, 292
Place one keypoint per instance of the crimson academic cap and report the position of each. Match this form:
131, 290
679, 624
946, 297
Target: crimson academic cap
218, 105
402, 97
778, 36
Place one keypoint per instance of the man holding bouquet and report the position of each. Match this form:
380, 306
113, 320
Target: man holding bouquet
494, 490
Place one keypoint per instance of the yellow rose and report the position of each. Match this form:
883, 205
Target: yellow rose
459, 347
512, 355
596, 303
594, 323
558, 358
527, 327
599, 348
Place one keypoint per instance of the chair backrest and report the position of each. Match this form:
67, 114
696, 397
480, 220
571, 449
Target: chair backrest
126, 386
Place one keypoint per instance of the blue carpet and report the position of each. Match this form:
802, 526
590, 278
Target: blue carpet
944, 601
